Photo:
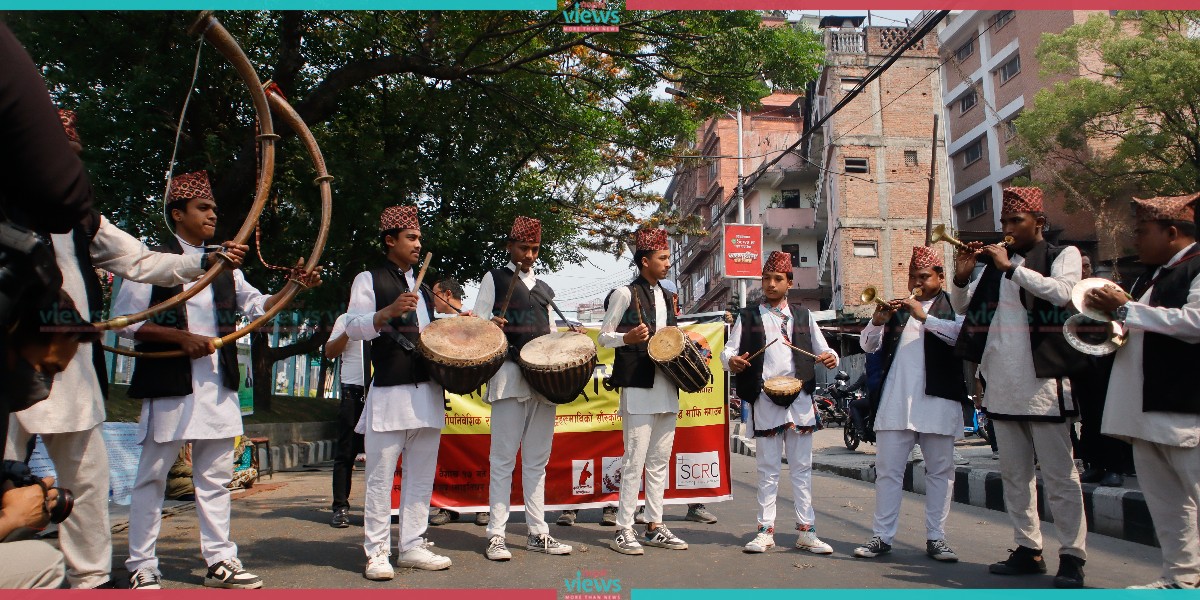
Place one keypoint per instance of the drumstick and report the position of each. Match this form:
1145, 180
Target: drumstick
421, 274
802, 351
637, 306
761, 350
512, 285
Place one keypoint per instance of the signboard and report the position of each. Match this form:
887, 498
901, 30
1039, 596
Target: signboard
742, 249
585, 462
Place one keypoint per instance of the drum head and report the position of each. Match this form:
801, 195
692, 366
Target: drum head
783, 390
666, 344
463, 341
558, 349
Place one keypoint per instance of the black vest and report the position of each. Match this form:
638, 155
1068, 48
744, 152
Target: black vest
527, 314
1053, 357
166, 377
632, 366
943, 370
749, 382
1167, 360
393, 363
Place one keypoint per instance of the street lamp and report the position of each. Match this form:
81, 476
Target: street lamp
741, 200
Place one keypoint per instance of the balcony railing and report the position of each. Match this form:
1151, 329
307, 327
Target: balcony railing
846, 42
781, 220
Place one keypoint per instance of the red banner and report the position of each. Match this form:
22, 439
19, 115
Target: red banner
585, 462
743, 251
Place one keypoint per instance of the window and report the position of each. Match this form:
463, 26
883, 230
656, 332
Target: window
791, 198
968, 101
965, 51
977, 205
794, 250
1010, 69
1010, 129
866, 249
857, 165
972, 153
1001, 19
849, 83
712, 170
910, 158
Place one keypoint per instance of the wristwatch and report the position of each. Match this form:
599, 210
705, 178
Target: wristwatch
1120, 313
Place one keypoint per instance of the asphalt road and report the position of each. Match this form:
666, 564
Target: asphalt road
283, 533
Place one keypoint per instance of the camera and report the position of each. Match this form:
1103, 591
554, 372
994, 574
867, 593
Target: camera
19, 473
29, 275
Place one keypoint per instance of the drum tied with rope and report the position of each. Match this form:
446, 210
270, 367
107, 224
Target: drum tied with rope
783, 390
559, 365
680, 358
463, 352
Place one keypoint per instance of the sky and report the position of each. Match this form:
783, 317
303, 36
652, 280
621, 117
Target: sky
591, 280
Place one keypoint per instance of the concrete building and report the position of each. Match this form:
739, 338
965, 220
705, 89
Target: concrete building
991, 75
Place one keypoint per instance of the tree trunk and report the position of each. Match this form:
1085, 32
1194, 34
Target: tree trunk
263, 357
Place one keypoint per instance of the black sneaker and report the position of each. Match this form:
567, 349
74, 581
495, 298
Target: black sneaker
567, 518
341, 518
873, 548
145, 578
608, 517
230, 574
1070, 572
940, 550
1022, 561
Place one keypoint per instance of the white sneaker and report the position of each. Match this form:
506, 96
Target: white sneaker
421, 558
546, 544
145, 578
960, 459
497, 550
379, 567
1164, 584
995, 455
808, 540
764, 540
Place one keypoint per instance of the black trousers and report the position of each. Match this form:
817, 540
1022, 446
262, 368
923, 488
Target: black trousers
349, 444
1095, 449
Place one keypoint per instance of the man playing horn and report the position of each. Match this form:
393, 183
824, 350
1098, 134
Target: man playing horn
404, 413
522, 419
920, 402
1151, 402
69, 421
1013, 329
189, 398
649, 399
779, 430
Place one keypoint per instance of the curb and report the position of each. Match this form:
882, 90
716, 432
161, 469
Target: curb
1115, 512
297, 454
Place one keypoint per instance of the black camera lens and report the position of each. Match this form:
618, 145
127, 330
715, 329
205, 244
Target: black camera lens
61, 507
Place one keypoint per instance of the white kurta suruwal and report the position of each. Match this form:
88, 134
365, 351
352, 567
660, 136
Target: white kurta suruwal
210, 417
1028, 411
522, 419
1166, 445
69, 419
907, 416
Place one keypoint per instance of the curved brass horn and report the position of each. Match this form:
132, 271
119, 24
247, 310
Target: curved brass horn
939, 234
323, 179
208, 26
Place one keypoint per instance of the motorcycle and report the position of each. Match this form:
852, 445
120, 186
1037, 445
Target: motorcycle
978, 426
832, 407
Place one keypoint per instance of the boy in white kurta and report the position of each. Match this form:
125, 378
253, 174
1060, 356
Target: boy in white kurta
920, 402
71, 431
1152, 402
192, 398
649, 399
786, 429
405, 409
1013, 325
522, 419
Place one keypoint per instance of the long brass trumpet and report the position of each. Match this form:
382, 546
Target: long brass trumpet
939, 235
870, 295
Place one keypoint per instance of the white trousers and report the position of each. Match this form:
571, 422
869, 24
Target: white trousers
212, 469
527, 425
891, 456
648, 441
30, 565
81, 464
1018, 441
419, 447
769, 451
1170, 480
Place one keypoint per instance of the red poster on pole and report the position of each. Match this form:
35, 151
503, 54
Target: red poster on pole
742, 248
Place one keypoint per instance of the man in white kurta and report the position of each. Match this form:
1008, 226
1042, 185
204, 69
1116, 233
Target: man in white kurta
907, 415
648, 414
522, 418
398, 420
209, 417
1030, 414
1166, 444
780, 430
